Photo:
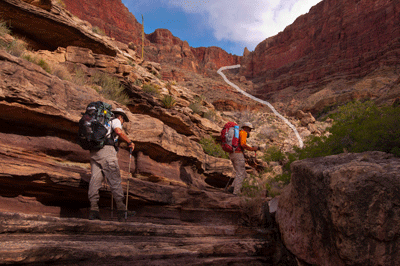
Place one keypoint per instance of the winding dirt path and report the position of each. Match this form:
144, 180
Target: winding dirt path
260, 101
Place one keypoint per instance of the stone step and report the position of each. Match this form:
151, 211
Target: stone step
35, 240
143, 250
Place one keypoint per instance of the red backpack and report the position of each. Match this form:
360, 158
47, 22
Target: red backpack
230, 137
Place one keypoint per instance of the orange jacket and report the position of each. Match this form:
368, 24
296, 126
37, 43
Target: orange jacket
243, 142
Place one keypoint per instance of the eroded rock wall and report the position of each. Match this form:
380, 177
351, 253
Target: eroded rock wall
319, 59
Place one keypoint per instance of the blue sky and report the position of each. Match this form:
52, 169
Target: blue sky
229, 24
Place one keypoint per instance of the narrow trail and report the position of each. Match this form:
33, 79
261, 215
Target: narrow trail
260, 101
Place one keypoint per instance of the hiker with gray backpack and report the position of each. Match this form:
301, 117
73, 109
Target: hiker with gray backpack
234, 141
100, 128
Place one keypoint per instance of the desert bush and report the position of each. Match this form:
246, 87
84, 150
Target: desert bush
131, 63
79, 77
197, 104
273, 154
99, 31
358, 127
195, 107
4, 29
38, 61
150, 89
61, 72
43, 64
138, 82
212, 148
171, 82
168, 101
210, 115
251, 187
61, 3
16, 48
111, 87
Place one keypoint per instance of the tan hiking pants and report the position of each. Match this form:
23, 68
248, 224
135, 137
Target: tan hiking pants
104, 164
239, 164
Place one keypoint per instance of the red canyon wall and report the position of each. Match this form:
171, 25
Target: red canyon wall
336, 39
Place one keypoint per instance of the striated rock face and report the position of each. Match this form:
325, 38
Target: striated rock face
34, 239
51, 29
343, 210
109, 15
317, 60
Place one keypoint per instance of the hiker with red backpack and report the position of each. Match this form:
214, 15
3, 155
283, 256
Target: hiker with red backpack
99, 131
234, 141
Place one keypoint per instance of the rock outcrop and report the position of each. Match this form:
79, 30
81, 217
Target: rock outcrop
337, 52
343, 210
48, 30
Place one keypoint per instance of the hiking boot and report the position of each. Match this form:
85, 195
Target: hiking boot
94, 215
121, 215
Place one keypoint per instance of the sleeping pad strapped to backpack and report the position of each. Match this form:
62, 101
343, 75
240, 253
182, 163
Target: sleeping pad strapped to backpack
92, 126
230, 137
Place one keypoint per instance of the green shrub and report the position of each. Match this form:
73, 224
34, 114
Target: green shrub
4, 29
29, 58
111, 87
61, 71
43, 64
273, 154
150, 89
16, 48
212, 148
210, 115
61, 3
168, 101
196, 107
131, 63
358, 127
250, 187
171, 82
38, 61
138, 82
99, 31
79, 77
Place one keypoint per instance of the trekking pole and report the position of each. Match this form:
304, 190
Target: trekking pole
112, 204
127, 185
228, 183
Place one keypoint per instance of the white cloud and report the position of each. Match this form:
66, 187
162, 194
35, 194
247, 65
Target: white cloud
246, 22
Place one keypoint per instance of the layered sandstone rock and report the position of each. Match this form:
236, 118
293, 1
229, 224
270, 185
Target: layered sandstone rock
343, 210
42, 240
111, 16
51, 29
37, 104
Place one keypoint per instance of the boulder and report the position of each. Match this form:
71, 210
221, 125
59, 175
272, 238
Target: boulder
343, 210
